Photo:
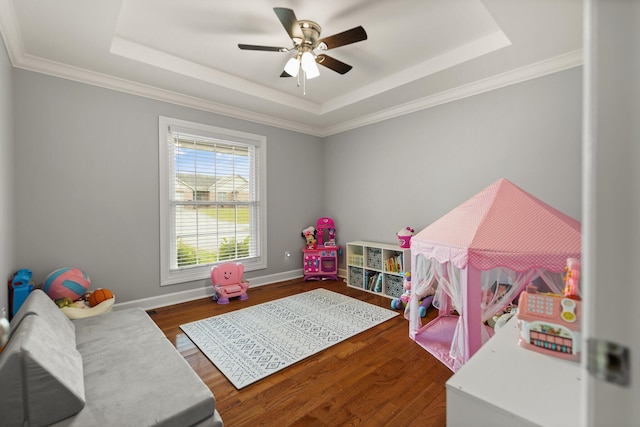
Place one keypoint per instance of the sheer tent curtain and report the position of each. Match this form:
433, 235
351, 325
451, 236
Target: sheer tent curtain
499, 287
424, 268
555, 281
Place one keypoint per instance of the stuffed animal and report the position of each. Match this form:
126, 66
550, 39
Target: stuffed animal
98, 296
403, 301
309, 235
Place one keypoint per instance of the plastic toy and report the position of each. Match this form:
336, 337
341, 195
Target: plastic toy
332, 237
403, 301
309, 236
321, 258
549, 324
67, 282
571, 278
404, 237
20, 288
227, 282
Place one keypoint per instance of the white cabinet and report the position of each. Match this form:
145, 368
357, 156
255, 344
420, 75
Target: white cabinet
506, 385
377, 267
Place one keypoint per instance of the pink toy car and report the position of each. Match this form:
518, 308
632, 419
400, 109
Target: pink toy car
227, 282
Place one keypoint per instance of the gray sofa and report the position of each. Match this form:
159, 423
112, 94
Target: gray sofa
115, 369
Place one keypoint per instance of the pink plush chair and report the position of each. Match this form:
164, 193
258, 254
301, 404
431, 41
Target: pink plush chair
227, 282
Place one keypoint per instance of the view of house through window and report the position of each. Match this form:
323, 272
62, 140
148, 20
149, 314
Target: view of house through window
212, 191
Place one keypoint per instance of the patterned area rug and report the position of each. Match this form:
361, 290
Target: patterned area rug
252, 343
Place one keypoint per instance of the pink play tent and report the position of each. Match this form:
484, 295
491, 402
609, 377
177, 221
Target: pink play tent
481, 255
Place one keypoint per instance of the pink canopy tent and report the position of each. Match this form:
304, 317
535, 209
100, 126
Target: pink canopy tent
481, 255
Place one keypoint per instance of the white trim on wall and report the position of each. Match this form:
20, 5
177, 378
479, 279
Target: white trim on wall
203, 292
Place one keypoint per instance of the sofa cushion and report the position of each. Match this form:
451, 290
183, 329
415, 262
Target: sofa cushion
41, 375
108, 329
137, 377
40, 304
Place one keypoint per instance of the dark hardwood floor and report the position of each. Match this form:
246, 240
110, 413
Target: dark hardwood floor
377, 378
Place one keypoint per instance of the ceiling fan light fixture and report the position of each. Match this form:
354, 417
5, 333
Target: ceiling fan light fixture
308, 48
292, 66
309, 65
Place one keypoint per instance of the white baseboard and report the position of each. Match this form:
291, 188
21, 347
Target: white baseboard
193, 294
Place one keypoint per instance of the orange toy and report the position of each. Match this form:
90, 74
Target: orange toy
99, 295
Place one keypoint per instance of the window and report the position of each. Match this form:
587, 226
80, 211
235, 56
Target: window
212, 199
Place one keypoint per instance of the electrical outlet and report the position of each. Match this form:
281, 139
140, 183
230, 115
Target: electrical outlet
287, 255
3, 313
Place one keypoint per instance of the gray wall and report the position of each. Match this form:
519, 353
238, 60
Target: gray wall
7, 236
86, 178
411, 170
86, 173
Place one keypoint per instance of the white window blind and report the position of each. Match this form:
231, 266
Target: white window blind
213, 199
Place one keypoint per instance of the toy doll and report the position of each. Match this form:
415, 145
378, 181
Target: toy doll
309, 235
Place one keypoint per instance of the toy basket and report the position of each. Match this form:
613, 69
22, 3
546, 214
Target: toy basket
374, 258
393, 286
356, 277
404, 241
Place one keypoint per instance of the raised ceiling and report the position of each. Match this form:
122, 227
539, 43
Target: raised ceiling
419, 53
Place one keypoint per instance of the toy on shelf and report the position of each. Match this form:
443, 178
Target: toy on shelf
320, 256
404, 237
550, 323
227, 282
403, 301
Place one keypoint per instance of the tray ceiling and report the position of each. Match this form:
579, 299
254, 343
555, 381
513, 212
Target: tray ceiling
418, 53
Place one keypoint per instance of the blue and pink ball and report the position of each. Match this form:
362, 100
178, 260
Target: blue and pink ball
69, 282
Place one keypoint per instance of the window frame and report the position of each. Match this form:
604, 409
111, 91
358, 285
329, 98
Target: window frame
170, 276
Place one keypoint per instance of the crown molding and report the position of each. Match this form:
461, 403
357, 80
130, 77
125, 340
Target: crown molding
539, 69
451, 58
56, 69
519, 75
10, 31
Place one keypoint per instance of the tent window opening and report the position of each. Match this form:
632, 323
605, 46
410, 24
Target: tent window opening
213, 199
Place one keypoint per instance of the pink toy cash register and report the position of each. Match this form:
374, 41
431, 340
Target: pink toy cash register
549, 323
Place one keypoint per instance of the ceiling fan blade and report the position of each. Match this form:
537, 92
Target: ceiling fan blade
333, 64
353, 35
289, 21
264, 48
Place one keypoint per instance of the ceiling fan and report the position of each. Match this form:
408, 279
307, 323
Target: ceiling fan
308, 47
